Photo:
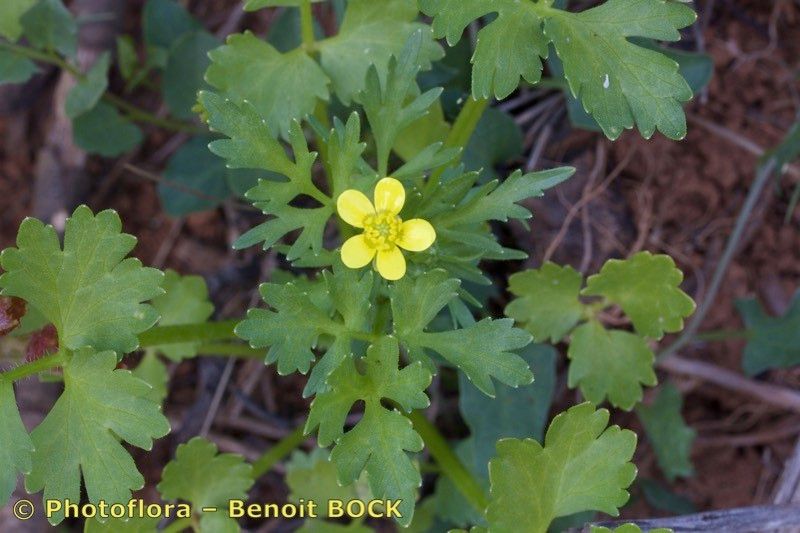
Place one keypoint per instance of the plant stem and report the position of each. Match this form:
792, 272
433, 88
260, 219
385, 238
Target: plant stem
281, 449
463, 128
466, 122
762, 177
307, 25
448, 462
34, 367
206, 331
140, 115
133, 112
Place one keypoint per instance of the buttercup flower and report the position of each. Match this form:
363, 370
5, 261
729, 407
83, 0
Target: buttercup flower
384, 231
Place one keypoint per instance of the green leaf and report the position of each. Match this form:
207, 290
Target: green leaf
619, 83
183, 75
773, 342
668, 433
514, 412
15, 444
498, 200
286, 86
195, 167
119, 525
628, 528
153, 372
80, 436
205, 478
15, 68
482, 351
103, 131
281, 87
250, 145
664, 499
582, 466
507, 49
253, 5
312, 478
90, 292
387, 105
87, 92
298, 317
10, 13
184, 302
164, 22
382, 436
517, 412
370, 34
429, 129
547, 302
127, 57
497, 139
50, 26
646, 287
613, 364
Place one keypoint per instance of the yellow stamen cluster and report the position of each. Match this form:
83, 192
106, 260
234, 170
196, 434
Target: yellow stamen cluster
382, 230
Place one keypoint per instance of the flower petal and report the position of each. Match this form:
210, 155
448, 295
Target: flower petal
353, 206
391, 264
416, 235
356, 253
389, 196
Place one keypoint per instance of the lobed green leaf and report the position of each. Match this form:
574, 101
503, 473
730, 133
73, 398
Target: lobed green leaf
90, 292
583, 465
80, 437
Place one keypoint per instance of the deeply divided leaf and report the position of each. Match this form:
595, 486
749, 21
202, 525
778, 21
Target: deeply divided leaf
250, 145
483, 351
383, 436
337, 305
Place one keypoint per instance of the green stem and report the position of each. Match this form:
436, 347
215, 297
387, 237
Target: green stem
466, 122
307, 25
281, 449
463, 128
722, 335
234, 350
206, 331
449, 463
140, 115
179, 525
48, 362
133, 112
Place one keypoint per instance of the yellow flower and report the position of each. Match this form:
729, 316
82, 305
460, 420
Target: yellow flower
384, 230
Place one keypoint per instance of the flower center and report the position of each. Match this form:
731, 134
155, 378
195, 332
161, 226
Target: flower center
382, 230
